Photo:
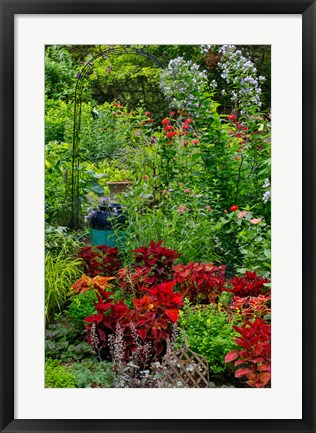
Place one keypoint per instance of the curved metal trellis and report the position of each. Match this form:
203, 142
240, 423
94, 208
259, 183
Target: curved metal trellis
85, 72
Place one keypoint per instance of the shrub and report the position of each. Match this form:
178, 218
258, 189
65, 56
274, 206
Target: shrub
80, 307
60, 273
209, 333
58, 376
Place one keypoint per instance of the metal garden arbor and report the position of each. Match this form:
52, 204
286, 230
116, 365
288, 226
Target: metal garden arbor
85, 72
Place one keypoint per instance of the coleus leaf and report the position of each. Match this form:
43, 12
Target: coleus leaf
241, 372
142, 333
172, 314
96, 318
231, 356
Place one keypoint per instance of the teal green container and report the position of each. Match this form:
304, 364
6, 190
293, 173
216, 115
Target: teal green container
106, 237
102, 237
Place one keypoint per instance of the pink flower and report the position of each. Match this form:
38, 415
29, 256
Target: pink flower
242, 214
255, 221
187, 190
208, 208
181, 208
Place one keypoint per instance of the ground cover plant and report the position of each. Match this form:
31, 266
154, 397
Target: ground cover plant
179, 257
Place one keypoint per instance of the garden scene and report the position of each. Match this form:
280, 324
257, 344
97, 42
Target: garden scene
157, 216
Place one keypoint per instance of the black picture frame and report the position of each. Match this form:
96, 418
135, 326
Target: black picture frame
8, 10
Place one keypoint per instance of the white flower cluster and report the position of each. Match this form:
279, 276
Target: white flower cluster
182, 82
241, 76
205, 48
267, 194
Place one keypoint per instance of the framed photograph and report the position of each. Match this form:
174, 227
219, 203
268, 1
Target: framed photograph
157, 248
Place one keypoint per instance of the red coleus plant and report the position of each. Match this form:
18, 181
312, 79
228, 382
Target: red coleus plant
254, 359
200, 282
133, 280
157, 260
109, 314
250, 284
251, 307
152, 317
101, 260
156, 312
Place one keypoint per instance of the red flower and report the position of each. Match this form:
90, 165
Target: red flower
171, 134
165, 121
147, 113
234, 208
172, 113
231, 117
188, 120
185, 126
168, 128
143, 123
195, 141
150, 120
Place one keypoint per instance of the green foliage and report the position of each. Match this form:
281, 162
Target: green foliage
58, 120
244, 241
58, 376
63, 342
60, 241
60, 273
59, 73
91, 373
80, 307
209, 333
57, 183
180, 219
99, 173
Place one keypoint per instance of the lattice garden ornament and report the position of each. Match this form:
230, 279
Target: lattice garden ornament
183, 368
